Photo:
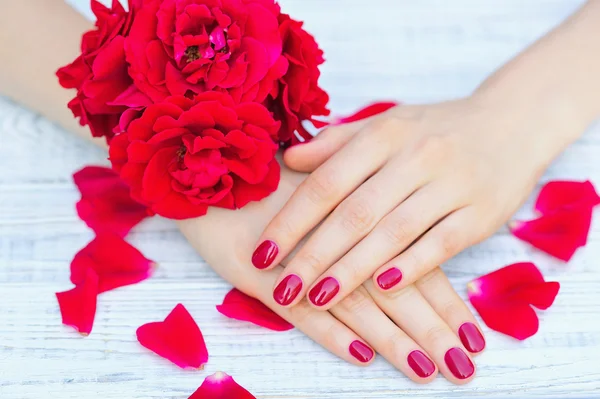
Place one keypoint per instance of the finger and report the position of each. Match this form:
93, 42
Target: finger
445, 240
349, 223
413, 314
359, 312
438, 291
309, 156
322, 327
320, 193
394, 233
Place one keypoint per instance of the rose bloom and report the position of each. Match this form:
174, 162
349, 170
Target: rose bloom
186, 47
184, 155
299, 97
104, 88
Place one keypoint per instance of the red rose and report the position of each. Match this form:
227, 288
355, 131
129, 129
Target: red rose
104, 88
182, 155
184, 47
299, 98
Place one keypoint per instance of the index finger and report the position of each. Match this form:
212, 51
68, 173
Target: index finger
320, 193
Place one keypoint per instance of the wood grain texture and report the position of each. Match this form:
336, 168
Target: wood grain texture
414, 51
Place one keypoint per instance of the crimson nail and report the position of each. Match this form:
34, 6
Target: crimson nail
265, 254
389, 278
459, 363
324, 291
361, 351
287, 290
471, 338
421, 364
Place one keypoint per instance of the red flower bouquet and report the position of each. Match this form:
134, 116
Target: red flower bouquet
196, 96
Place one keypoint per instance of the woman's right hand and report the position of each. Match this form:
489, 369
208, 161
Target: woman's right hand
418, 329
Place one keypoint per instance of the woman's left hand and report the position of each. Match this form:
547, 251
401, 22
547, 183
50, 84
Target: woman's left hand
407, 189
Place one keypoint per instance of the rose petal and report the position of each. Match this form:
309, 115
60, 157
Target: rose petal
177, 339
504, 297
106, 205
221, 386
115, 262
558, 194
240, 306
366, 112
78, 305
558, 234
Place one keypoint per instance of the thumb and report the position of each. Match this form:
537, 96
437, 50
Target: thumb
307, 157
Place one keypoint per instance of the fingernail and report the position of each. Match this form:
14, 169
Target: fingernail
265, 254
324, 291
459, 363
389, 278
287, 290
361, 351
421, 364
471, 337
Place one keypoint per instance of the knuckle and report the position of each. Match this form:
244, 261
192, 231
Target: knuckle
355, 302
435, 334
404, 295
282, 227
311, 261
398, 230
395, 343
430, 280
300, 314
450, 308
320, 186
385, 124
356, 215
450, 243
433, 147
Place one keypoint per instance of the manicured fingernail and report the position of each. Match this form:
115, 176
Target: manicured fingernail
421, 364
324, 291
287, 290
389, 278
361, 351
459, 363
471, 337
265, 254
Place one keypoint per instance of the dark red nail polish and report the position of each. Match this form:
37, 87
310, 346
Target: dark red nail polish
287, 290
361, 351
389, 278
471, 337
324, 291
421, 364
265, 254
459, 363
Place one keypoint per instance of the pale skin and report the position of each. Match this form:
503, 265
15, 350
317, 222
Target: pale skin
424, 316
401, 193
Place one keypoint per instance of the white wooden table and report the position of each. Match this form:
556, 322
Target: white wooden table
415, 51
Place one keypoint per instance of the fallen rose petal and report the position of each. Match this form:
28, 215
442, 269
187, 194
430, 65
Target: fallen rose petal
178, 339
221, 386
366, 112
106, 205
558, 234
78, 305
557, 195
504, 298
115, 262
239, 306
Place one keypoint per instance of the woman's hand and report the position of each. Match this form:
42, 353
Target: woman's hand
407, 189
414, 186
421, 330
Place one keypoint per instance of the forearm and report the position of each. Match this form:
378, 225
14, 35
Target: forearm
557, 80
36, 38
